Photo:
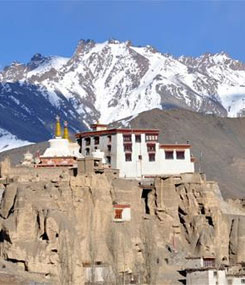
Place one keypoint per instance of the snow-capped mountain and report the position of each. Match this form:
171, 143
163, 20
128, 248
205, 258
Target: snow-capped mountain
9, 141
113, 80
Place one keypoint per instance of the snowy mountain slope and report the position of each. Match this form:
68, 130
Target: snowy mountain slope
9, 141
113, 80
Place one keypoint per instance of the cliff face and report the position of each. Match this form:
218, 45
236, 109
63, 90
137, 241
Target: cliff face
52, 230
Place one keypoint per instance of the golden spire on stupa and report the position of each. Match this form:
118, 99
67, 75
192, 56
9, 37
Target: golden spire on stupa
57, 127
66, 132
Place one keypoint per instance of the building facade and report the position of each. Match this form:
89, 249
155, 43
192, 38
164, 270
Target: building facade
136, 152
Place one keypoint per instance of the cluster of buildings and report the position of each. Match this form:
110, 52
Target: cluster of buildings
135, 153
203, 270
130, 154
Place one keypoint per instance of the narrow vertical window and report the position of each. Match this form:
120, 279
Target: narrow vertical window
128, 157
151, 156
138, 138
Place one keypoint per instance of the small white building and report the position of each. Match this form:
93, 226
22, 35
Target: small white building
122, 213
203, 270
136, 152
206, 276
99, 273
212, 276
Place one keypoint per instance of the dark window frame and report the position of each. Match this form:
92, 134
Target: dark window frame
152, 157
109, 148
138, 138
128, 156
151, 147
127, 147
179, 155
127, 138
108, 159
87, 141
167, 154
96, 140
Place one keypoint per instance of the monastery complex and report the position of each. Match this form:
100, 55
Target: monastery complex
135, 153
113, 202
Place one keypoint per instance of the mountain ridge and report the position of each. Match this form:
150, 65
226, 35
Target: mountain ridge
113, 80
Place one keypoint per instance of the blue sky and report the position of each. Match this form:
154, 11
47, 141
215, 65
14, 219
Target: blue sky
176, 27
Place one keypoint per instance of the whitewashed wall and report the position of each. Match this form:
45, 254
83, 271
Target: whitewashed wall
138, 168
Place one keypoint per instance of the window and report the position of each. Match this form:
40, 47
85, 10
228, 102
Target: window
87, 141
138, 138
109, 147
208, 262
128, 157
149, 137
215, 273
118, 214
96, 140
108, 159
151, 156
87, 151
128, 147
169, 154
180, 154
127, 138
140, 157
151, 147
243, 281
109, 139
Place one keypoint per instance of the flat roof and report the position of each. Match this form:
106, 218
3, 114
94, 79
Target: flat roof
121, 206
174, 146
117, 131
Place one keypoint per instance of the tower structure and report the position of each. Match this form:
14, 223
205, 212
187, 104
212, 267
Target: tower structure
66, 132
57, 127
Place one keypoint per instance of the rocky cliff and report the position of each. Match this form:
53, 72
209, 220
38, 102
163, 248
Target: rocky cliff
56, 227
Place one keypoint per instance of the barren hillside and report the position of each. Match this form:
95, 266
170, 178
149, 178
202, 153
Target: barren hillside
217, 143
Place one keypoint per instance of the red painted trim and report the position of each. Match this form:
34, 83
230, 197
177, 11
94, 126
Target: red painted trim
121, 206
54, 157
175, 146
117, 131
54, 165
98, 125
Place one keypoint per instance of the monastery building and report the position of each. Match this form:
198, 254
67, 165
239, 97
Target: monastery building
135, 152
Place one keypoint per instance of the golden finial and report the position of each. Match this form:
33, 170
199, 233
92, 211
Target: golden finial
66, 133
57, 128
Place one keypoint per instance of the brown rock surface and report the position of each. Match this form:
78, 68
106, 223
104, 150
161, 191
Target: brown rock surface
54, 228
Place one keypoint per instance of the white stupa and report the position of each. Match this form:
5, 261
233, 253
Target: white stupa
60, 148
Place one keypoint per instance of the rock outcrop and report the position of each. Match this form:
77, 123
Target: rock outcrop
56, 229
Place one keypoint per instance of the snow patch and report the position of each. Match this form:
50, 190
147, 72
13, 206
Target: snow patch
9, 141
